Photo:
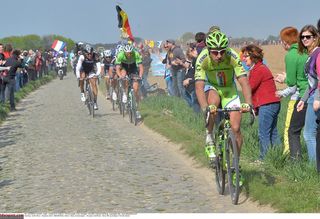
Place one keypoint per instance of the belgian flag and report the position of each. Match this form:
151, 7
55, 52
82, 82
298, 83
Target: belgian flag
124, 23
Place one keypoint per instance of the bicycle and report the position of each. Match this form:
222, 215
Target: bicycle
111, 90
226, 160
121, 90
132, 102
89, 97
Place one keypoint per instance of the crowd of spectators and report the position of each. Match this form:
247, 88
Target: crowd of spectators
22, 67
302, 63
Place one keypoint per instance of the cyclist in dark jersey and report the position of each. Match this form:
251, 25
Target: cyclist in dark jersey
89, 66
109, 73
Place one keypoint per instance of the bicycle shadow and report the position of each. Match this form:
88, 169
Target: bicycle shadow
6, 182
8, 135
252, 175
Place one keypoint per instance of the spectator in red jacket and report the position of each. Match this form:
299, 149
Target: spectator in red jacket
264, 100
7, 50
38, 64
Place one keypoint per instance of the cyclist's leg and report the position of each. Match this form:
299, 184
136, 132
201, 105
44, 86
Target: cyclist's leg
235, 120
123, 74
81, 85
81, 81
229, 99
93, 84
213, 98
114, 83
135, 86
107, 83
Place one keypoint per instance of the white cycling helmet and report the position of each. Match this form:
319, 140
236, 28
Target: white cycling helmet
107, 53
128, 48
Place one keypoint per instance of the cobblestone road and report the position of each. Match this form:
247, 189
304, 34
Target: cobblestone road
54, 158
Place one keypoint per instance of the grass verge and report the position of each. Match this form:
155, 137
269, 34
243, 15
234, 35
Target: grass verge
285, 185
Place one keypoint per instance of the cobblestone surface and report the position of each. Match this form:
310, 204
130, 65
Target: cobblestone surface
55, 158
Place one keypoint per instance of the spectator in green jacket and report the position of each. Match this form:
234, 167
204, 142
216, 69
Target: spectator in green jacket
297, 83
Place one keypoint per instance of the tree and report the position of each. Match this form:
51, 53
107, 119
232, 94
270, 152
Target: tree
187, 37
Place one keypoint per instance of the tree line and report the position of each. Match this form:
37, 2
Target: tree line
33, 41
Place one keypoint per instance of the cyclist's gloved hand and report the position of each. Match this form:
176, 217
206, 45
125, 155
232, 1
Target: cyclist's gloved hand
212, 109
246, 107
207, 111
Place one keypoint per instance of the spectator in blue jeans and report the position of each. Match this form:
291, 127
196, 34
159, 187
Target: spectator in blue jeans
309, 40
264, 100
167, 73
14, 62
189, 82
177, 59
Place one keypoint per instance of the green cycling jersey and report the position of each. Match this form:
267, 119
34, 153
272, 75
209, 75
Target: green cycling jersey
219, 74
123, 59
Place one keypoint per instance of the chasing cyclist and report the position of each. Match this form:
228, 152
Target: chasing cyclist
109, 73
216, 68
88, 66
127, 63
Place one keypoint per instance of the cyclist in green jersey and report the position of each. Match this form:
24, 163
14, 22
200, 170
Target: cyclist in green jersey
216, 68
127, 63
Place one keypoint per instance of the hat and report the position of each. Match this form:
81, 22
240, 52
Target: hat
170, 41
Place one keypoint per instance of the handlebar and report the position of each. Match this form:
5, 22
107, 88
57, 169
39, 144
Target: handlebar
231, 109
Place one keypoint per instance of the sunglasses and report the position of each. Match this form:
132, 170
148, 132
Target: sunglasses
308, 37
216, 52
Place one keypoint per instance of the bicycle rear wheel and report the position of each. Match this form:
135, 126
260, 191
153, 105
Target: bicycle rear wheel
130, 112
220, 172
232, 158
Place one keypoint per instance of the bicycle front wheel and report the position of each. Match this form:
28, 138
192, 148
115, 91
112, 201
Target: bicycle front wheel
220, 172
232, 158
134, 109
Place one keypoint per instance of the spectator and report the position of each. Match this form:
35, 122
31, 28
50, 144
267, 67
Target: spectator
1, 48
309, 41
3, 78
146, 62
7, 50
167, 73
24, 73
177, 59
30, 66
297, 83
318, 121
38, 64
200, 38
214, 28
266, 104
189, 82
45, 66
14, 63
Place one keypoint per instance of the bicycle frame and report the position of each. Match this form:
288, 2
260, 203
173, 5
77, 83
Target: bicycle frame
89, 96
132, 102
227, 159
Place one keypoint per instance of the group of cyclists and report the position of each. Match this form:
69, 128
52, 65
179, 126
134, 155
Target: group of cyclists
216, 68
125, 63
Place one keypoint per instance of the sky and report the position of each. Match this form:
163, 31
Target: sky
95, 21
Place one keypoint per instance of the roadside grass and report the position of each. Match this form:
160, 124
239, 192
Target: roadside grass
286, 185
23, 92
